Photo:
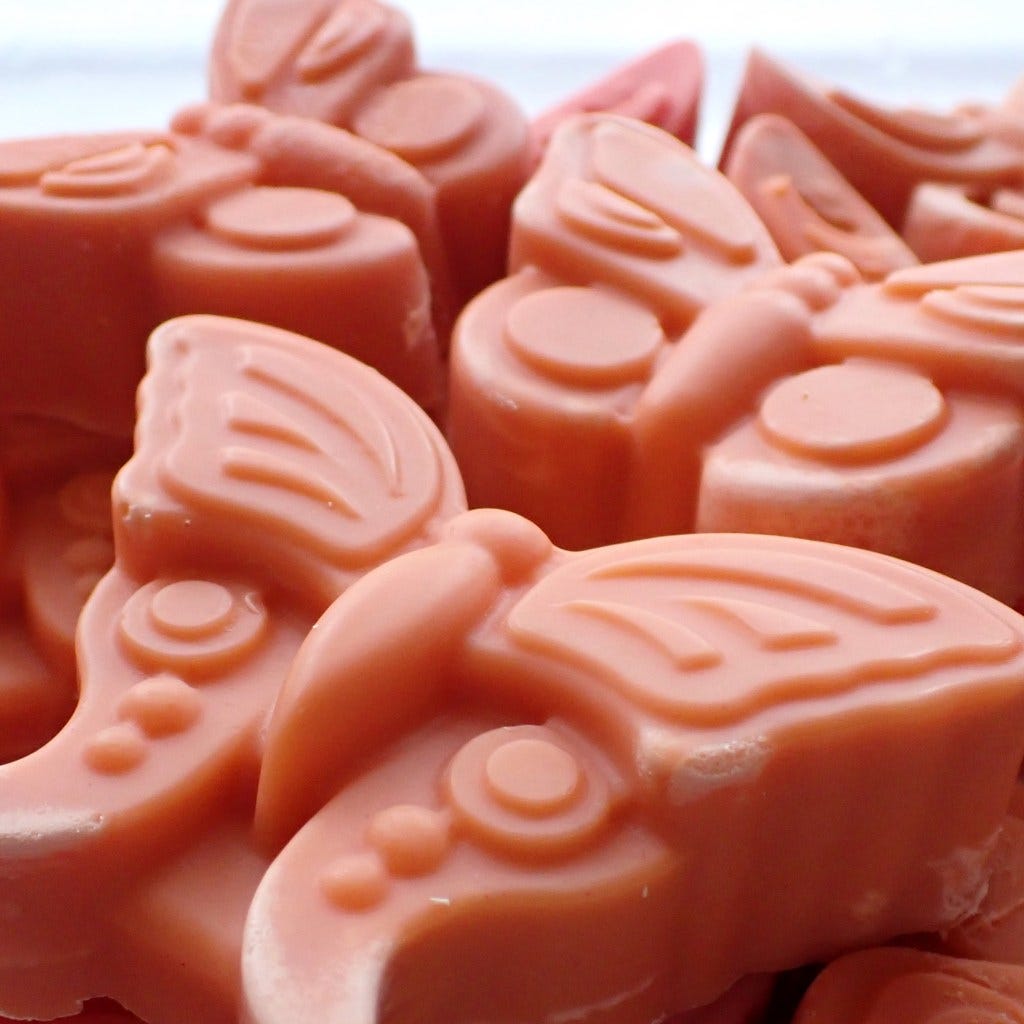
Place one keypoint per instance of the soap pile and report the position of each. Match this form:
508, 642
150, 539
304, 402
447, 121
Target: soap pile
609, 618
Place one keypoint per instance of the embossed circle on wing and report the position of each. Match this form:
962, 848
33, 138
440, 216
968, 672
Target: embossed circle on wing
195, 627
524, 790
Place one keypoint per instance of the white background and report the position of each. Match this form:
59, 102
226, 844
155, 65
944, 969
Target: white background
76, 65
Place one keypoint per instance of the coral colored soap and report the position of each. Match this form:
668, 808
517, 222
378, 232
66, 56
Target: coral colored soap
649, 367
875, 455
270, 472
352, 63
105, 236
713, 705
619, 242
343, 751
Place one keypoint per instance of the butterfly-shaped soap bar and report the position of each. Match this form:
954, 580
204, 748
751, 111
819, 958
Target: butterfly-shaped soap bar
352, 63
679, 731
270, 473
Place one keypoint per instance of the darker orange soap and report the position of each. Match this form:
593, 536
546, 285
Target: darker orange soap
662, 88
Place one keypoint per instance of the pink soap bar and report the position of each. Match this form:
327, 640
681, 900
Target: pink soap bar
289, 736
662, 88
407, 906
352, 63
343, 751
806, 203
270, 473
883, 153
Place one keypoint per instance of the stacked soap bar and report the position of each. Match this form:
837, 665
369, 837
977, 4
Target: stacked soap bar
293, 731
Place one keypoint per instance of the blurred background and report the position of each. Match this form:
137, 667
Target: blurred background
72, 65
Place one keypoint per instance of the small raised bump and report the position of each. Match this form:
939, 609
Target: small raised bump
584, 336
410, 840
84, 502
356, 882
124, 171
517, 545
424, 118
162, 705
842, 270
115, 750
611, 219
814, 286
231, 126
533, 776
278, 218
853, 412
350, 30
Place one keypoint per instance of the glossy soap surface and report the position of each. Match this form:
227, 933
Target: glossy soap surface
290, 734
